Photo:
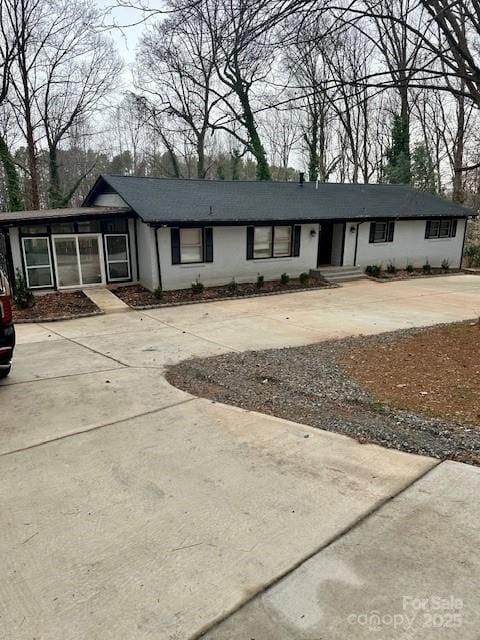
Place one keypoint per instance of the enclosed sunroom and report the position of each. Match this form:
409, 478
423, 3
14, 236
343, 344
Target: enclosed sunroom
70, 248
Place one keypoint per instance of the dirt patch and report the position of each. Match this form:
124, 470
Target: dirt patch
55, 306
312, 385
435, 372
137, 296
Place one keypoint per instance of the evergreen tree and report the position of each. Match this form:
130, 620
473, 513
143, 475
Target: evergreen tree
398, 167
14, 195
423, 170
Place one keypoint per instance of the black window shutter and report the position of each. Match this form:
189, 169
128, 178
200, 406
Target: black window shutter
427, 228
250, 241
208, 244
297, 232
371, 238
453, 231
391, 231
175, 238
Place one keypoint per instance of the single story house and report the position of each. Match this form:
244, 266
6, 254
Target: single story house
170, 232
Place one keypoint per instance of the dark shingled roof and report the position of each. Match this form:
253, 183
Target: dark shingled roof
177, 201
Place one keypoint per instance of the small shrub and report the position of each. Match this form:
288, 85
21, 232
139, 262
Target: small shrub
158, 293
232, 286
410, 268
445, 265
304, 278
260, 281
368, 270
427, 267
374, 270
22, 294
391, 268
472, 254
197, 287
284, 278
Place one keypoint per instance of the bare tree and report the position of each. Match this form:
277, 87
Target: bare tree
8, 48
176, 70
61, 71
283, 134
78, 69
310, 81
243, 35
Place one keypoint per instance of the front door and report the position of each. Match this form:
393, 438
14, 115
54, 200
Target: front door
78, 260
324, 256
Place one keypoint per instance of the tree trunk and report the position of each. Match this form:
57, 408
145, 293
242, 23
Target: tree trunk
201, 157
458, 151
55, 198
263, 170
33, 182
12, 181
312, 144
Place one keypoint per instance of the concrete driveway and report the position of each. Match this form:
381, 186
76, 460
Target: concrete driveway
131, 510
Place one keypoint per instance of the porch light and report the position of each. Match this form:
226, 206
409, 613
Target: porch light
313, 233
353, 228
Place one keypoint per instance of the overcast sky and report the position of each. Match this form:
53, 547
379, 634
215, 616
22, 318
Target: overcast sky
129, 28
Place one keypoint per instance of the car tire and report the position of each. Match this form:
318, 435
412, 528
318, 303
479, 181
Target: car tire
4, 372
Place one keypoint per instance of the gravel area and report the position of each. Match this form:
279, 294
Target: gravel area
309, 385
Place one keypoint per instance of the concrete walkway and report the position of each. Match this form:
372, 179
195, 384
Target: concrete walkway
130, 509
106, 301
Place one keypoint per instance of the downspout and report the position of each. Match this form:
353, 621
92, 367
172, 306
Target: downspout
463, 243
135, 234
344, 233
158, 258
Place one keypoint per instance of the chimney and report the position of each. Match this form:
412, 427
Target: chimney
301, 178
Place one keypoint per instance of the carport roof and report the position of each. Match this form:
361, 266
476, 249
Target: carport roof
179, 201
51, 215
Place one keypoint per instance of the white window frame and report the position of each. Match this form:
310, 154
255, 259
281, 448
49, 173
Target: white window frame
76, 237
37, 266
201, 245
109, 262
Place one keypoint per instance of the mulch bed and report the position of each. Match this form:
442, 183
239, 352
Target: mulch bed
402, 274
137, 296
56, 306
349, 386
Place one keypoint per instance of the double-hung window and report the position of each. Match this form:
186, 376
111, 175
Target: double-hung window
38, 263
436, 229
272, 242
381, 232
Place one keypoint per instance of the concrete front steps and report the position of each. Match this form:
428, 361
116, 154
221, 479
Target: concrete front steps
339, 274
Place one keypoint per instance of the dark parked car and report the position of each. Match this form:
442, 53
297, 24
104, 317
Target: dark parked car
7, 331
